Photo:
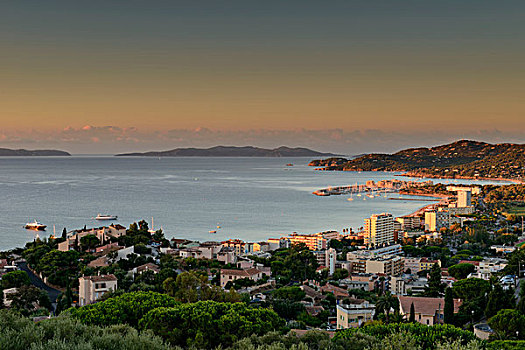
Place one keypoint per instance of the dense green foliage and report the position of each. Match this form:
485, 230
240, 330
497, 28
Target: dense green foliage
508, 324
127, 308
426, 336
14, 279
62, 333
206, 324
461, 271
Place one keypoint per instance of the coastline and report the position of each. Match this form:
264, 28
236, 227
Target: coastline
430, 176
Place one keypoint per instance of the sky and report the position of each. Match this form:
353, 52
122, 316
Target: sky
341, 76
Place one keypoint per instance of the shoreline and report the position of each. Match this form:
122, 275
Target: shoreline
430, 176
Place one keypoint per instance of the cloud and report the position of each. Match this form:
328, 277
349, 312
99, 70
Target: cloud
114, 139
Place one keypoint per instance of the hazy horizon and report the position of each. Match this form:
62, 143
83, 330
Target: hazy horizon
112, 140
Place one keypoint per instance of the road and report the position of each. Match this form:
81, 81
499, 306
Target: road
37, 282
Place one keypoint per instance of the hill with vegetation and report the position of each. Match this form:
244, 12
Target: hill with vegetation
6, 152
232, 151
461, 159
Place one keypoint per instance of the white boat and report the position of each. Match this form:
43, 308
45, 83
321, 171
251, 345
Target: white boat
35, 226
106, 217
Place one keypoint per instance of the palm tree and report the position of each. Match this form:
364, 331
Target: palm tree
386, 303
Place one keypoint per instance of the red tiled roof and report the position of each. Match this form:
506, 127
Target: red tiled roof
425, 305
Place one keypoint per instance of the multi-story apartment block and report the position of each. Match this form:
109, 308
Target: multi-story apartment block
379, 230
464, 199
435, 220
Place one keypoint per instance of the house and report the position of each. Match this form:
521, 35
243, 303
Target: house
354, 313
146, 267
104, 234
428, 311
91, 288
103, 261
227, 255
5, 295
339, 293
314, 295
232, 275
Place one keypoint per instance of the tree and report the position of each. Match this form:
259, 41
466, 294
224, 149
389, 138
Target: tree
499, 299
28, 298
386, 303
412, 317
435, 287
208, 324
64, 233
14, 279
58, 266
293, 293
461, 271
340, 274
89, 242
508, 324
127, 308
473, 292
448, 310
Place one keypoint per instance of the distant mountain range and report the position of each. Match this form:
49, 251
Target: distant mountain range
6, 152
231, 151
461, 159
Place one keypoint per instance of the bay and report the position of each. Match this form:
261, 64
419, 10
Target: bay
250, 198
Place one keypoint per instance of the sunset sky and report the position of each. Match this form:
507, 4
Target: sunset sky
345, 76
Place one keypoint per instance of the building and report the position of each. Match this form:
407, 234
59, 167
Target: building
407, 284
409, 222
330, 259
464, 199
104, 234
313, 242
390, 265
489, 266
232, 275
395, 249
91, 288
428, 311
473, 190
379, 230
435, 220
354, 314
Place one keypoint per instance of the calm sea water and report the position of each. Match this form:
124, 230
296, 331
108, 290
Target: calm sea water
250, 198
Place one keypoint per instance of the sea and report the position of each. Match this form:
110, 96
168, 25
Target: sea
251, 199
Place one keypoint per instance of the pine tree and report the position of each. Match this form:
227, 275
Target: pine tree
435, 288
448, 310
412, 317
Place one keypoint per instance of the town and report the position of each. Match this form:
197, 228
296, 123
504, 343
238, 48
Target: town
455, 262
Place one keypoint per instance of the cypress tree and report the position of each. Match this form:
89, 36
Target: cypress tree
64, 233
412, 317
448, 310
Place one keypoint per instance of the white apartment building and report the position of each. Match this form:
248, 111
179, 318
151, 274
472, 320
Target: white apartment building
379, 230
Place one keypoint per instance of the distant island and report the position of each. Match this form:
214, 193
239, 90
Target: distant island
6, 152
231, 151
461, 159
